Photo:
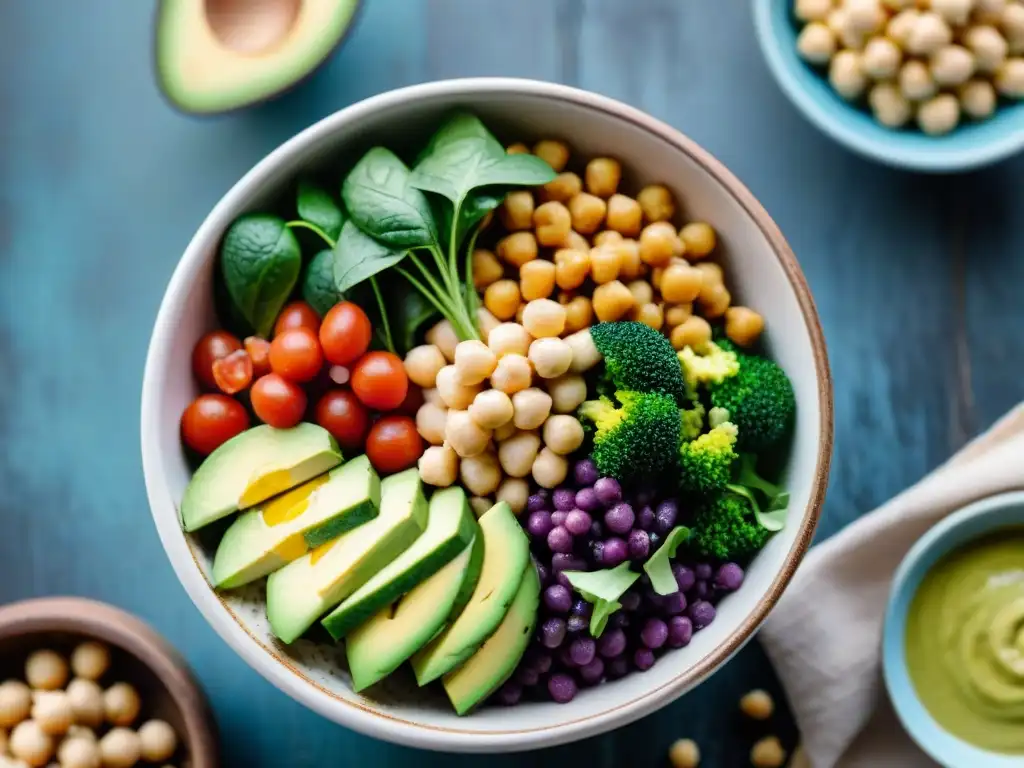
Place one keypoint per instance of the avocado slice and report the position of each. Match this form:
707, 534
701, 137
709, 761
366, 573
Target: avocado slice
286, 527
451, 526
253, 466
485, 671
215, 57
302, 591
506, 558
380, 646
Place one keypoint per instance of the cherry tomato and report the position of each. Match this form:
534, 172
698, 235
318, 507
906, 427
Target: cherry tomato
345, 333
233, 373
277, 401
379, 381
295, 354
259, 353
394, 444
413, 400
298, 314
211, 347
341, 414
212, 420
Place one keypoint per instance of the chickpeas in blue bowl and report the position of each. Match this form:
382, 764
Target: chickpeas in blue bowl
930, 85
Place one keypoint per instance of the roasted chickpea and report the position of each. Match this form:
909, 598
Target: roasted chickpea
517, 453
464, 435
612, 301
552, 223
513, 374
536, 279
693, 332
659, 243
632, 267
563, 187
430, 421
577, 242
677, 314
474, 362
509, 339
587, 212
625, 215
567, 392
607, 237
714, 300
681, 283
422, 364
642, 291
571, 268
743, 325
518, 248
491, 409
699, 239
554, 153
657, 203
578, 314
650, 315
517, 211
502, 299
605, 262
603, 175
712, 272
481, 474
544, 317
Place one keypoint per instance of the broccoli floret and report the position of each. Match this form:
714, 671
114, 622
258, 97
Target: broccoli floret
712, 364
760, 402
705, 464
637, 440
725, 528
693, 420
639, 359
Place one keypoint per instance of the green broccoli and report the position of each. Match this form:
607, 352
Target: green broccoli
725, 528
759, 399
712, 364
705, 464
636, 441
639, 359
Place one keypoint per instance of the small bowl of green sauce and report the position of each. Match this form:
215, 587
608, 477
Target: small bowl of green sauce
953, 642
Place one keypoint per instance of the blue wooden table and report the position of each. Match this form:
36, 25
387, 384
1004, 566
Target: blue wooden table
102, 185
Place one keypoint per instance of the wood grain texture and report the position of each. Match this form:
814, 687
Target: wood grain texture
102, 184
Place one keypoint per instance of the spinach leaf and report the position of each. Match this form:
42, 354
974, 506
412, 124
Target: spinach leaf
409, 311
228, 313
318, 284
603, 589
358, 257
316, 206
260, 260
381, 201
772, 519
459, 125
658, 566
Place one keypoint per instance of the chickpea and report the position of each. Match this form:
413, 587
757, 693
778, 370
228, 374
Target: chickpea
563, 434
612, 301
120, 748
954, 11
517, 149
487, 322
625, 215
512, 374
46, 670
453, 392
642, 291
481, 474
509, 339
939, 115
1010, 78
567, 392
584, 352
563, 187
517, 453
768, 753
551, 357
988, 46
514, 491
810, 10
544, 317
474, 362
517, 249
577, 242
603, 175
157, 741
928, 34
421, 366
587, 213
121, 704
743, 325
816, 43
678, 314
952, 65
86, 700
657, 203
53, 712
554, 153
889, 106
443, 336
915, 80
1011, 21
899, 27
504, 432
552, 223
464, 435
571, 269
882, 58
684, 753
517, 211
537, 279
650, 315
78, 752
632, 267
502, 299
659, 243
712, 272
532, 408
694, 332
757, 705
549, 469
433, 397
15, 703
714, 300
491, 408
978, 98
91, 660
681, 283
578, 314
30, 743
604, 264
699, 239
486, 268
607, 237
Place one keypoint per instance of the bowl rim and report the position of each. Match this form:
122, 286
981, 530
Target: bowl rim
929, 161
353, 714
129, 634
938, 541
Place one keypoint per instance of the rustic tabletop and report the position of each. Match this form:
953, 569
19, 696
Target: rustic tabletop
102, 184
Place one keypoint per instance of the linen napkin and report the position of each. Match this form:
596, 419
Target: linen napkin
824, 635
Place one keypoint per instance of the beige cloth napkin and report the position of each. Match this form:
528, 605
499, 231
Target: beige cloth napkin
824, 635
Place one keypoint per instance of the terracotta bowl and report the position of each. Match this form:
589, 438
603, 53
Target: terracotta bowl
139, 656
762, 271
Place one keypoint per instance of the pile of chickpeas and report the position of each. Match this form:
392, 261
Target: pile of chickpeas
933, 60
47, 720
569, 254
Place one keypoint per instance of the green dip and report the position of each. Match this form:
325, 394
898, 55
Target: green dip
965, 642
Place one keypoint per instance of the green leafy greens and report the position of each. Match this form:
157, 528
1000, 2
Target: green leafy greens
659, 567
603, 589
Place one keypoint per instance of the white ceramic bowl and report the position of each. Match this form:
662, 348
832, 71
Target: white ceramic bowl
762, 270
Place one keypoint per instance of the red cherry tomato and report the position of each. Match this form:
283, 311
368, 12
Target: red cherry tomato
212, 420
341, 414
259, 353
298, 314
277, 401
233, 373
379, 381
295, 354
413, 400
394, 444
345, 333
211, 347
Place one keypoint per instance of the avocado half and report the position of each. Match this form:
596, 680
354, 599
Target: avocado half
219, 55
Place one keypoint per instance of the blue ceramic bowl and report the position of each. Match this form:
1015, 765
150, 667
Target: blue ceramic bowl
963, 526
971, 145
